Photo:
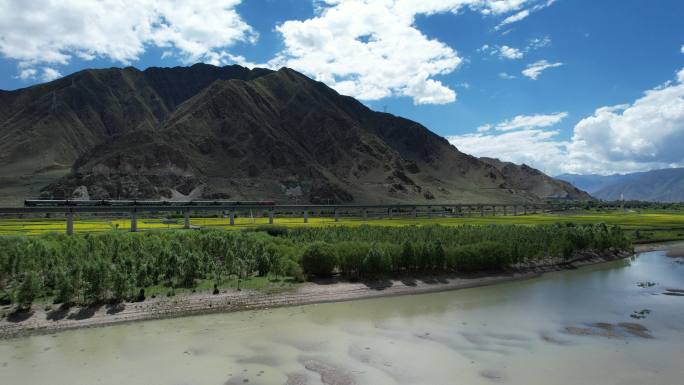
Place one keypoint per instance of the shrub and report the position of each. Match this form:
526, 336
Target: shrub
319, 259
408, 256
423, 256
437, 256
264, 261
376, 262
121, 286
350, 257
28, 291
67, 287
5, 298
392, 257
97, 280
295, 271
476, 257
189, 269
273, 230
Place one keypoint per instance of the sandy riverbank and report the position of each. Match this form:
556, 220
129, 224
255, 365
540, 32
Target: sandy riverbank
60, 318
674, 248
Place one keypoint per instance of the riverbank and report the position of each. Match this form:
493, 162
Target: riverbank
673, 248
60, 318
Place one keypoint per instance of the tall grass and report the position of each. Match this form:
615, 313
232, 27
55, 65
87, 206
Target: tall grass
91, 268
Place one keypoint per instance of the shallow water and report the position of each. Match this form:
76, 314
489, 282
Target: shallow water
512, 333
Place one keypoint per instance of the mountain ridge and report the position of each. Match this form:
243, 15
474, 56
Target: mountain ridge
537, 182
662, 185
237, 133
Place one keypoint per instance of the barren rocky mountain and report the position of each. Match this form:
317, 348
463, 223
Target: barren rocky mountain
526, 178
234, 133
45, 128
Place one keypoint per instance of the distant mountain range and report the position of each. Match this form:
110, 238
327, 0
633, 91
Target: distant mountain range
205, 132
666, 185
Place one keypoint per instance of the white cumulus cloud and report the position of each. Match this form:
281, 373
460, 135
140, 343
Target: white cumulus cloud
510, 52
371, 49
27, 73
523, 14
523, 140
537, 43
647, 133
535, 147
531, 121
49, 74
514, 18
45, 74
535, 69
502, 51
642, 135
54, 32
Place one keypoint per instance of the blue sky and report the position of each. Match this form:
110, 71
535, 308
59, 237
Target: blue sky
452, 65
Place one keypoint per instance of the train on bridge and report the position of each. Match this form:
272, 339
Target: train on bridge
140, 203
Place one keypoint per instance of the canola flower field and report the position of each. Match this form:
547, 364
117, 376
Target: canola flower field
642, 226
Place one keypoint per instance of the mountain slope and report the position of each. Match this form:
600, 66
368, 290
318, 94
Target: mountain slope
526, 178
45, 128
230, 132
666, 185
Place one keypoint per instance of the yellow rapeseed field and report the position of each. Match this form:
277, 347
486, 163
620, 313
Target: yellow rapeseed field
661, 225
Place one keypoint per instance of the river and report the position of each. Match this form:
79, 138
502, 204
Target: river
539, 331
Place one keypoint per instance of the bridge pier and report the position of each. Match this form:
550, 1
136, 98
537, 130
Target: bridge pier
70, 224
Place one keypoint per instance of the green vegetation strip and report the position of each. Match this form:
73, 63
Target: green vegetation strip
115, 266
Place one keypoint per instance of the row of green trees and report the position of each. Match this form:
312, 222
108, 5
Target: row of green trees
115, 266
368, 253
